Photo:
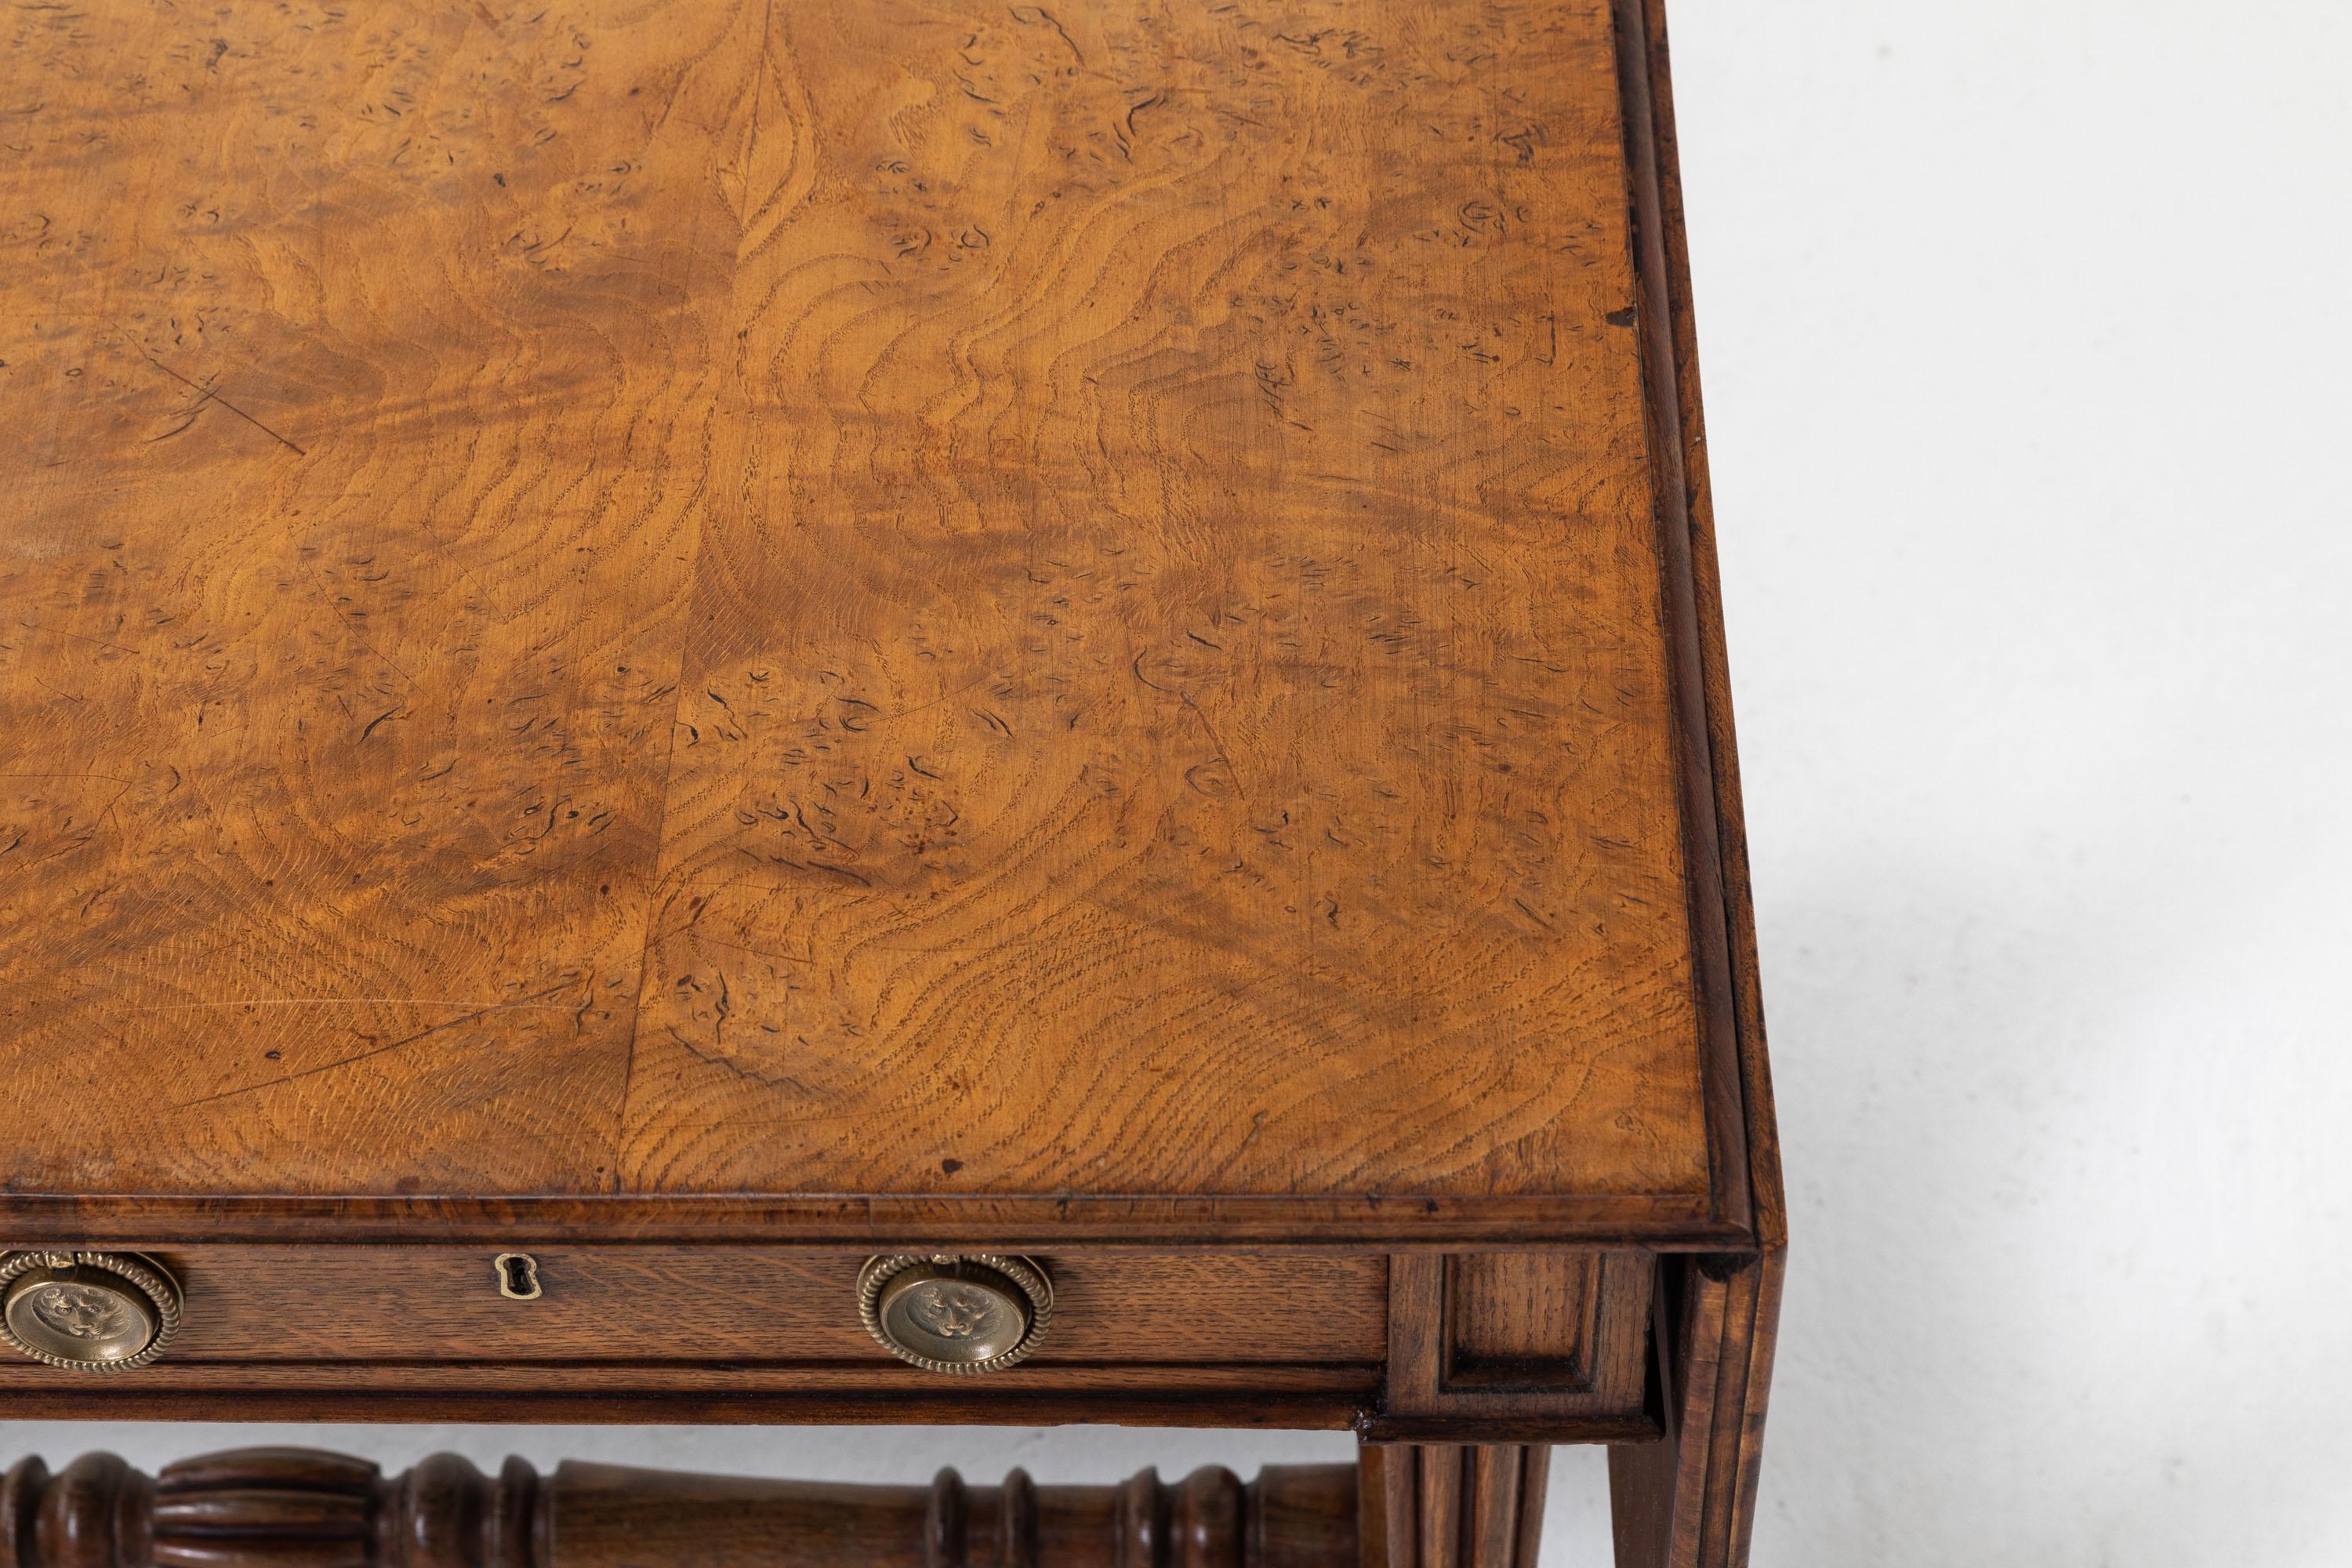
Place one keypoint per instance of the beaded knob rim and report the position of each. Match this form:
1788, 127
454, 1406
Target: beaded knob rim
144, 1274
1032, 1282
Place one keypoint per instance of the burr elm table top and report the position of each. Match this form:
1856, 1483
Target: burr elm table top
877, 610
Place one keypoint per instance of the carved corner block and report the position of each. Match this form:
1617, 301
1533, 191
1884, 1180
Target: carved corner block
1527, 1346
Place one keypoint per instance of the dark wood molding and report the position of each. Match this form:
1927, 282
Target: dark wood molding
1645, 20
1664, 397
1687, 1500
1009, 1223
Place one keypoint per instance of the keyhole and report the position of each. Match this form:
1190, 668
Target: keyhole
518, 1276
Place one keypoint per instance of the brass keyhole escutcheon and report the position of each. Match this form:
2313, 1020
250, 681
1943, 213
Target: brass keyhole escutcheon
945, 1313
518, 1276
87, 1312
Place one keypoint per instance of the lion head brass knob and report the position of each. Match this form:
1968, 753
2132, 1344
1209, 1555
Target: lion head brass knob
88, 1311
974, 1312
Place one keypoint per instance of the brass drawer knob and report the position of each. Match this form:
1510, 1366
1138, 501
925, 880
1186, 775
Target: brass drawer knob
88, 1311
971, 1314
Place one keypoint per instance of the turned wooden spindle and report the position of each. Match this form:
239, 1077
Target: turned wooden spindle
292, 1508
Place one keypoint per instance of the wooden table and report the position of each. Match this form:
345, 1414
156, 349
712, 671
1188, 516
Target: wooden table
649, 650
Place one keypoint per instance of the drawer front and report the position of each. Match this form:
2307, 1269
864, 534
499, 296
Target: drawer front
746, 1304
1417, 1346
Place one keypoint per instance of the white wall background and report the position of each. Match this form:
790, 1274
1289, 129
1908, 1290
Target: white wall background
2025, 334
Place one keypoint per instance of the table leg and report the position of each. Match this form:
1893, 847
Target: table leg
1432, 1505
1689, 1499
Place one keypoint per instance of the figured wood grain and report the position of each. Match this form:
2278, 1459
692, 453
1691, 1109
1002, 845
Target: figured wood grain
1180, 706
901, 599
731, 621
356, 423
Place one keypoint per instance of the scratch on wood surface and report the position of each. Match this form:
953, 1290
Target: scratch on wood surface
210, 393
405, 1040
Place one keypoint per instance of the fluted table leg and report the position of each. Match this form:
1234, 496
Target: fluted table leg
1438, 1505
